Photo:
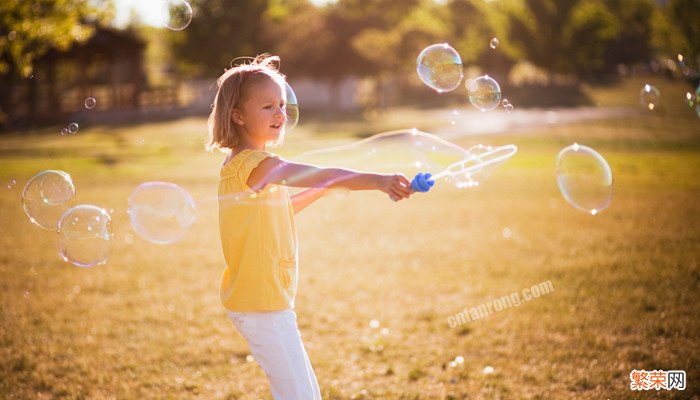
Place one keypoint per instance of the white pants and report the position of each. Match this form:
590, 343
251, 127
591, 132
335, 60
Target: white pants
275, 342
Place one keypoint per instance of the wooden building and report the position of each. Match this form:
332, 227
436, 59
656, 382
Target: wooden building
108, 67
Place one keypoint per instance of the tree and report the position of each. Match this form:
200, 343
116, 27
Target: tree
563, 36
299, 33
676, 30
633, 42
473, 24
393, 47
28, 29
220, 31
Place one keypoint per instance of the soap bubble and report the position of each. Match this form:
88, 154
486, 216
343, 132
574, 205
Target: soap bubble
73, 128
85, 236
161, 212
292, 107
64, 131
584, 178
90, 103
47, 196
507, 106
649, 96
176, 14
410, 151
494, 43
407, 151
484, 93
11, 183
693, 100
440, 67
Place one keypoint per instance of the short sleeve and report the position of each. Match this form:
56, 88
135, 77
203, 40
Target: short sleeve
249, 162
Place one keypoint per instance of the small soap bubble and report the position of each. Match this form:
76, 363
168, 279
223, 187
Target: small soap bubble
507, 233
384, 331
64, 131
507, 106
649, 96
488, 370
455, 115
90, 103
374, 324
484, 93
11, 36
680, 57
459, 360
161, 212
11, 183
249, 358
440, 67
46, 196
73, 128
85, 236
176, 14
494, 43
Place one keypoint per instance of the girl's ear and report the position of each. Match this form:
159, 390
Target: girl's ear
237, 117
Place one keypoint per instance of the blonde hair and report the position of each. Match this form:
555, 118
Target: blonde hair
233, 87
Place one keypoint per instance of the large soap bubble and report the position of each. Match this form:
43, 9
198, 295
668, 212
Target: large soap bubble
176, 14
292, 108
161, 212
410, 151
85, 236
47, 196
440, 67
584, 178
484, 93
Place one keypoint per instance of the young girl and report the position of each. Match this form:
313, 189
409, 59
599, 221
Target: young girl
256, 220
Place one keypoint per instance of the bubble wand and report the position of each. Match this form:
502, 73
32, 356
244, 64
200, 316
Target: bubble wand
467, 167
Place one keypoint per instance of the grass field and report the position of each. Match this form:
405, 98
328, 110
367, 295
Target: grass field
149, 324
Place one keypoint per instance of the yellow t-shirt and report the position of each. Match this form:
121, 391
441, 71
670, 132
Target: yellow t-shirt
258, 238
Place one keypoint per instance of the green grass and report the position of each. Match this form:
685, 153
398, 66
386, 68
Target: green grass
149, 323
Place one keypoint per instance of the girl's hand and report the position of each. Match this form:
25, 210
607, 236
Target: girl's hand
397, 186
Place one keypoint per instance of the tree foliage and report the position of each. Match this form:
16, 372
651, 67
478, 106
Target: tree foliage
677, 30
220, 31
28, 29
633, 41
564, 36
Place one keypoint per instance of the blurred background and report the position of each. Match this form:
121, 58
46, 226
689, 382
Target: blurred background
344, 56
102, 90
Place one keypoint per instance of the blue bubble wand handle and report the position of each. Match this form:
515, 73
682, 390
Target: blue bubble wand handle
422, 182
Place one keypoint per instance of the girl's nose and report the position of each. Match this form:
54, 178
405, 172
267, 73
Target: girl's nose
281, 114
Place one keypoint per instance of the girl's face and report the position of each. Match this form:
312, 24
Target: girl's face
262, 115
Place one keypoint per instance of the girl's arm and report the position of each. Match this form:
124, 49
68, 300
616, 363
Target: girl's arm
282, 172
304, 198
